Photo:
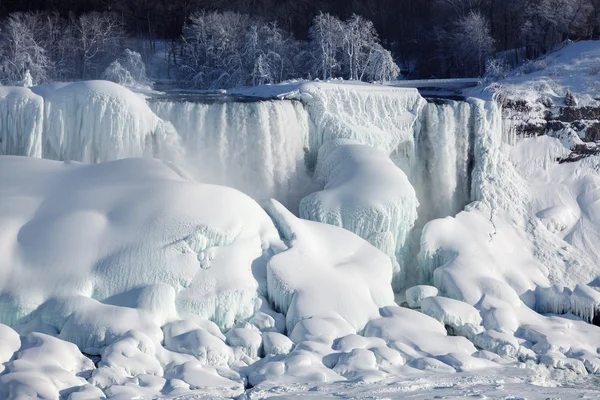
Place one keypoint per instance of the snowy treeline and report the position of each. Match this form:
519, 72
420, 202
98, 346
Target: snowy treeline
51, 47
270, 40
222, 50
216, 50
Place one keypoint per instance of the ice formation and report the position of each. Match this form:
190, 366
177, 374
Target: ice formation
177, 287
314, 278
444, 156
127, 228
416, 294
93, 121
365, 193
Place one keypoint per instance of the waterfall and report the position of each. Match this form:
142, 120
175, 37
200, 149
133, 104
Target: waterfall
444, 157
256, 147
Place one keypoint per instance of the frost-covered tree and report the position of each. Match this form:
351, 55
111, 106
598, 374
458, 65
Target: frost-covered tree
59, 43
350, 49
326, 40
224, 50
22, 53
128, 70
97, 40
473, 43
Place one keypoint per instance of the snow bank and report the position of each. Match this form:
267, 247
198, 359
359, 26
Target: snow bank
364, 193
499, 257
422, 337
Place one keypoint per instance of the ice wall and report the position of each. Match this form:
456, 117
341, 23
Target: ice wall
267, 148
256, 147
378, 116
93, 121
21, 122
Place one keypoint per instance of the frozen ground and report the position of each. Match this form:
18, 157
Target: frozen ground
371, 244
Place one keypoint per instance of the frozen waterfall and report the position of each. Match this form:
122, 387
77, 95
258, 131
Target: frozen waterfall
444, 158
269, 147
256, 147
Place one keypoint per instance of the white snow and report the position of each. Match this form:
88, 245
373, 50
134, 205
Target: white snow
462, 318
275, 344
125, 227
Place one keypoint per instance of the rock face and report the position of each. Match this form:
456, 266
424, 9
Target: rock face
577, 126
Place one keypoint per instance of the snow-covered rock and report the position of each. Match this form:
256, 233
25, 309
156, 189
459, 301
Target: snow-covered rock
461, 318
124, 226
248, 339
45, 367
416, 294
275, 344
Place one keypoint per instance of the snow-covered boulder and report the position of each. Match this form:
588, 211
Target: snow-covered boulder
416, 294
357, 362
415, 335
461, 318
275, 343
111, 230
10, 343
187, 338
45, 367
249, 339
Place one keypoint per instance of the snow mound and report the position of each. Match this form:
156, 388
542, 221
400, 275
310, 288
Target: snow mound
460, 318
415, 335
145, 244
275, 344
364, 193
327, 272
44, 367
